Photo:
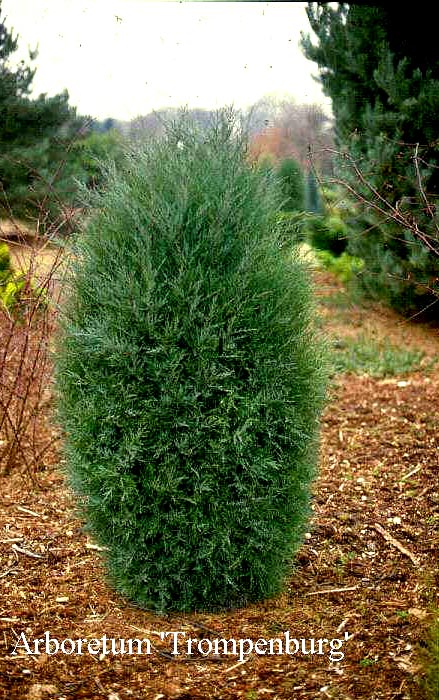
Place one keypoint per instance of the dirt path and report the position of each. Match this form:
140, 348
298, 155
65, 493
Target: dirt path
366, 575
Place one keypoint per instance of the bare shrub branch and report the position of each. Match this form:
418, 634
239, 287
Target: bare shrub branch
25, 364
356, 183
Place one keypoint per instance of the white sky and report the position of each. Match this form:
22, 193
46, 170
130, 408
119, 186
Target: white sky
122, 58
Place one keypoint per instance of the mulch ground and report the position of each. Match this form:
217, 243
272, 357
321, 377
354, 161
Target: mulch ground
366, 575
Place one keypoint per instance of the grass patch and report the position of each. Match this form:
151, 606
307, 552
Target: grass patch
432, 680
363, 355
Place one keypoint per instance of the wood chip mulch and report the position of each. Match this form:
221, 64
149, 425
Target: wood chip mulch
366, 575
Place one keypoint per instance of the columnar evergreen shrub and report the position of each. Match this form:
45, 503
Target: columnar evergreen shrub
189, 377
313, 200
292, 184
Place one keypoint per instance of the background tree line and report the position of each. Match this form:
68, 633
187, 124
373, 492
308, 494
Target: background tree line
380, 68
47, 149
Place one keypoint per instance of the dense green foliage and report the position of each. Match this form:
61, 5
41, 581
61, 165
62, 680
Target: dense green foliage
380, 66
81, 163
332, 229
346, 267
87, 156
292, 184
189, 376
327, 234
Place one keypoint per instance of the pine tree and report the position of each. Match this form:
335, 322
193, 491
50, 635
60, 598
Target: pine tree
380, 66
28, 128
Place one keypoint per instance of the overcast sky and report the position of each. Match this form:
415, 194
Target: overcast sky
122, 58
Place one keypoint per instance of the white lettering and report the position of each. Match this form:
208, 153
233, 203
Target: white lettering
209, 646
49, 642
288, 642
257, 643
272, 642
174, 636
70, 648
24, 644
225, 649
139, 643
94, 643
249, 649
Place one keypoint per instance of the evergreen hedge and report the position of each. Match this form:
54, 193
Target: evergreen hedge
292, 184
313, 199
189, 377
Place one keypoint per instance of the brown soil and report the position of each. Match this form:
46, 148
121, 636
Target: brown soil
367, 573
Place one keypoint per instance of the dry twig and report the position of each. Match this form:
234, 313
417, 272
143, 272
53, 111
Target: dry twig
28, 511
334, 590
400, 547
20, 550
